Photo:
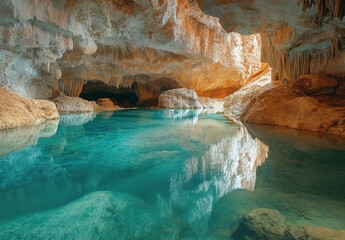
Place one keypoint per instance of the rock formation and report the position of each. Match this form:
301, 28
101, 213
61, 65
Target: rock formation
16, 111
184, 98
303, 42
298, 37
287, 106
122, 44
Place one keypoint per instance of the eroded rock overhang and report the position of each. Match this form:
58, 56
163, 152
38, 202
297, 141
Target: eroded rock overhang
75, 42
298, 37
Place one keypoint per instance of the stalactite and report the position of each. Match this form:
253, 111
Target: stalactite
73, 88
329, 8
290, 65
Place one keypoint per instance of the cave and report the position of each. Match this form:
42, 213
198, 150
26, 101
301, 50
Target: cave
123, 97
193, 119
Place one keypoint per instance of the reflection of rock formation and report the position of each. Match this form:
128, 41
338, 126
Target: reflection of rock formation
76, 119
187, 116
72, 163
304, 141
99, 215
264, 223
18, 138
227, 165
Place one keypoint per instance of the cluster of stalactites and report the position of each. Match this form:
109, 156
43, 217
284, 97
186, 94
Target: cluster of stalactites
330, 8
291, 65
73, 88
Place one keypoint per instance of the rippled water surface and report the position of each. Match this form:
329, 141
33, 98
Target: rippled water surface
163, 174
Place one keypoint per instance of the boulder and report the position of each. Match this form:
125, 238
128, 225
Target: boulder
181, 98
65, 104
262, 224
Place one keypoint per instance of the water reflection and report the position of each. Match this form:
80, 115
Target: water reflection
185, 161
76, 119
304, 141
227, 165
185, 116
18, 138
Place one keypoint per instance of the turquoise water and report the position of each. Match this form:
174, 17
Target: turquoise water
163, 174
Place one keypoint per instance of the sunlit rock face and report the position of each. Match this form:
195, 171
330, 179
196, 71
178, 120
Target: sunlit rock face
298, 37
283, 106
236, 104
120, 43
16, 111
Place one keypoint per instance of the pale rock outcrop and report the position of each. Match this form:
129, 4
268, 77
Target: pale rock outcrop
184, 98
65, 104
181, 98
16, 111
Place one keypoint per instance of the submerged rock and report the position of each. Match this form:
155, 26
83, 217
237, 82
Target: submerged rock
262, 224
268, 224
98, 215
105, 104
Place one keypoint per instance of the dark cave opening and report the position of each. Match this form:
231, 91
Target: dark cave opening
123, 97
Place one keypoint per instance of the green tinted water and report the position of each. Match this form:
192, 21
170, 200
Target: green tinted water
163, 174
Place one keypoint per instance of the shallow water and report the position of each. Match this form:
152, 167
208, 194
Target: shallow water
163, 174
